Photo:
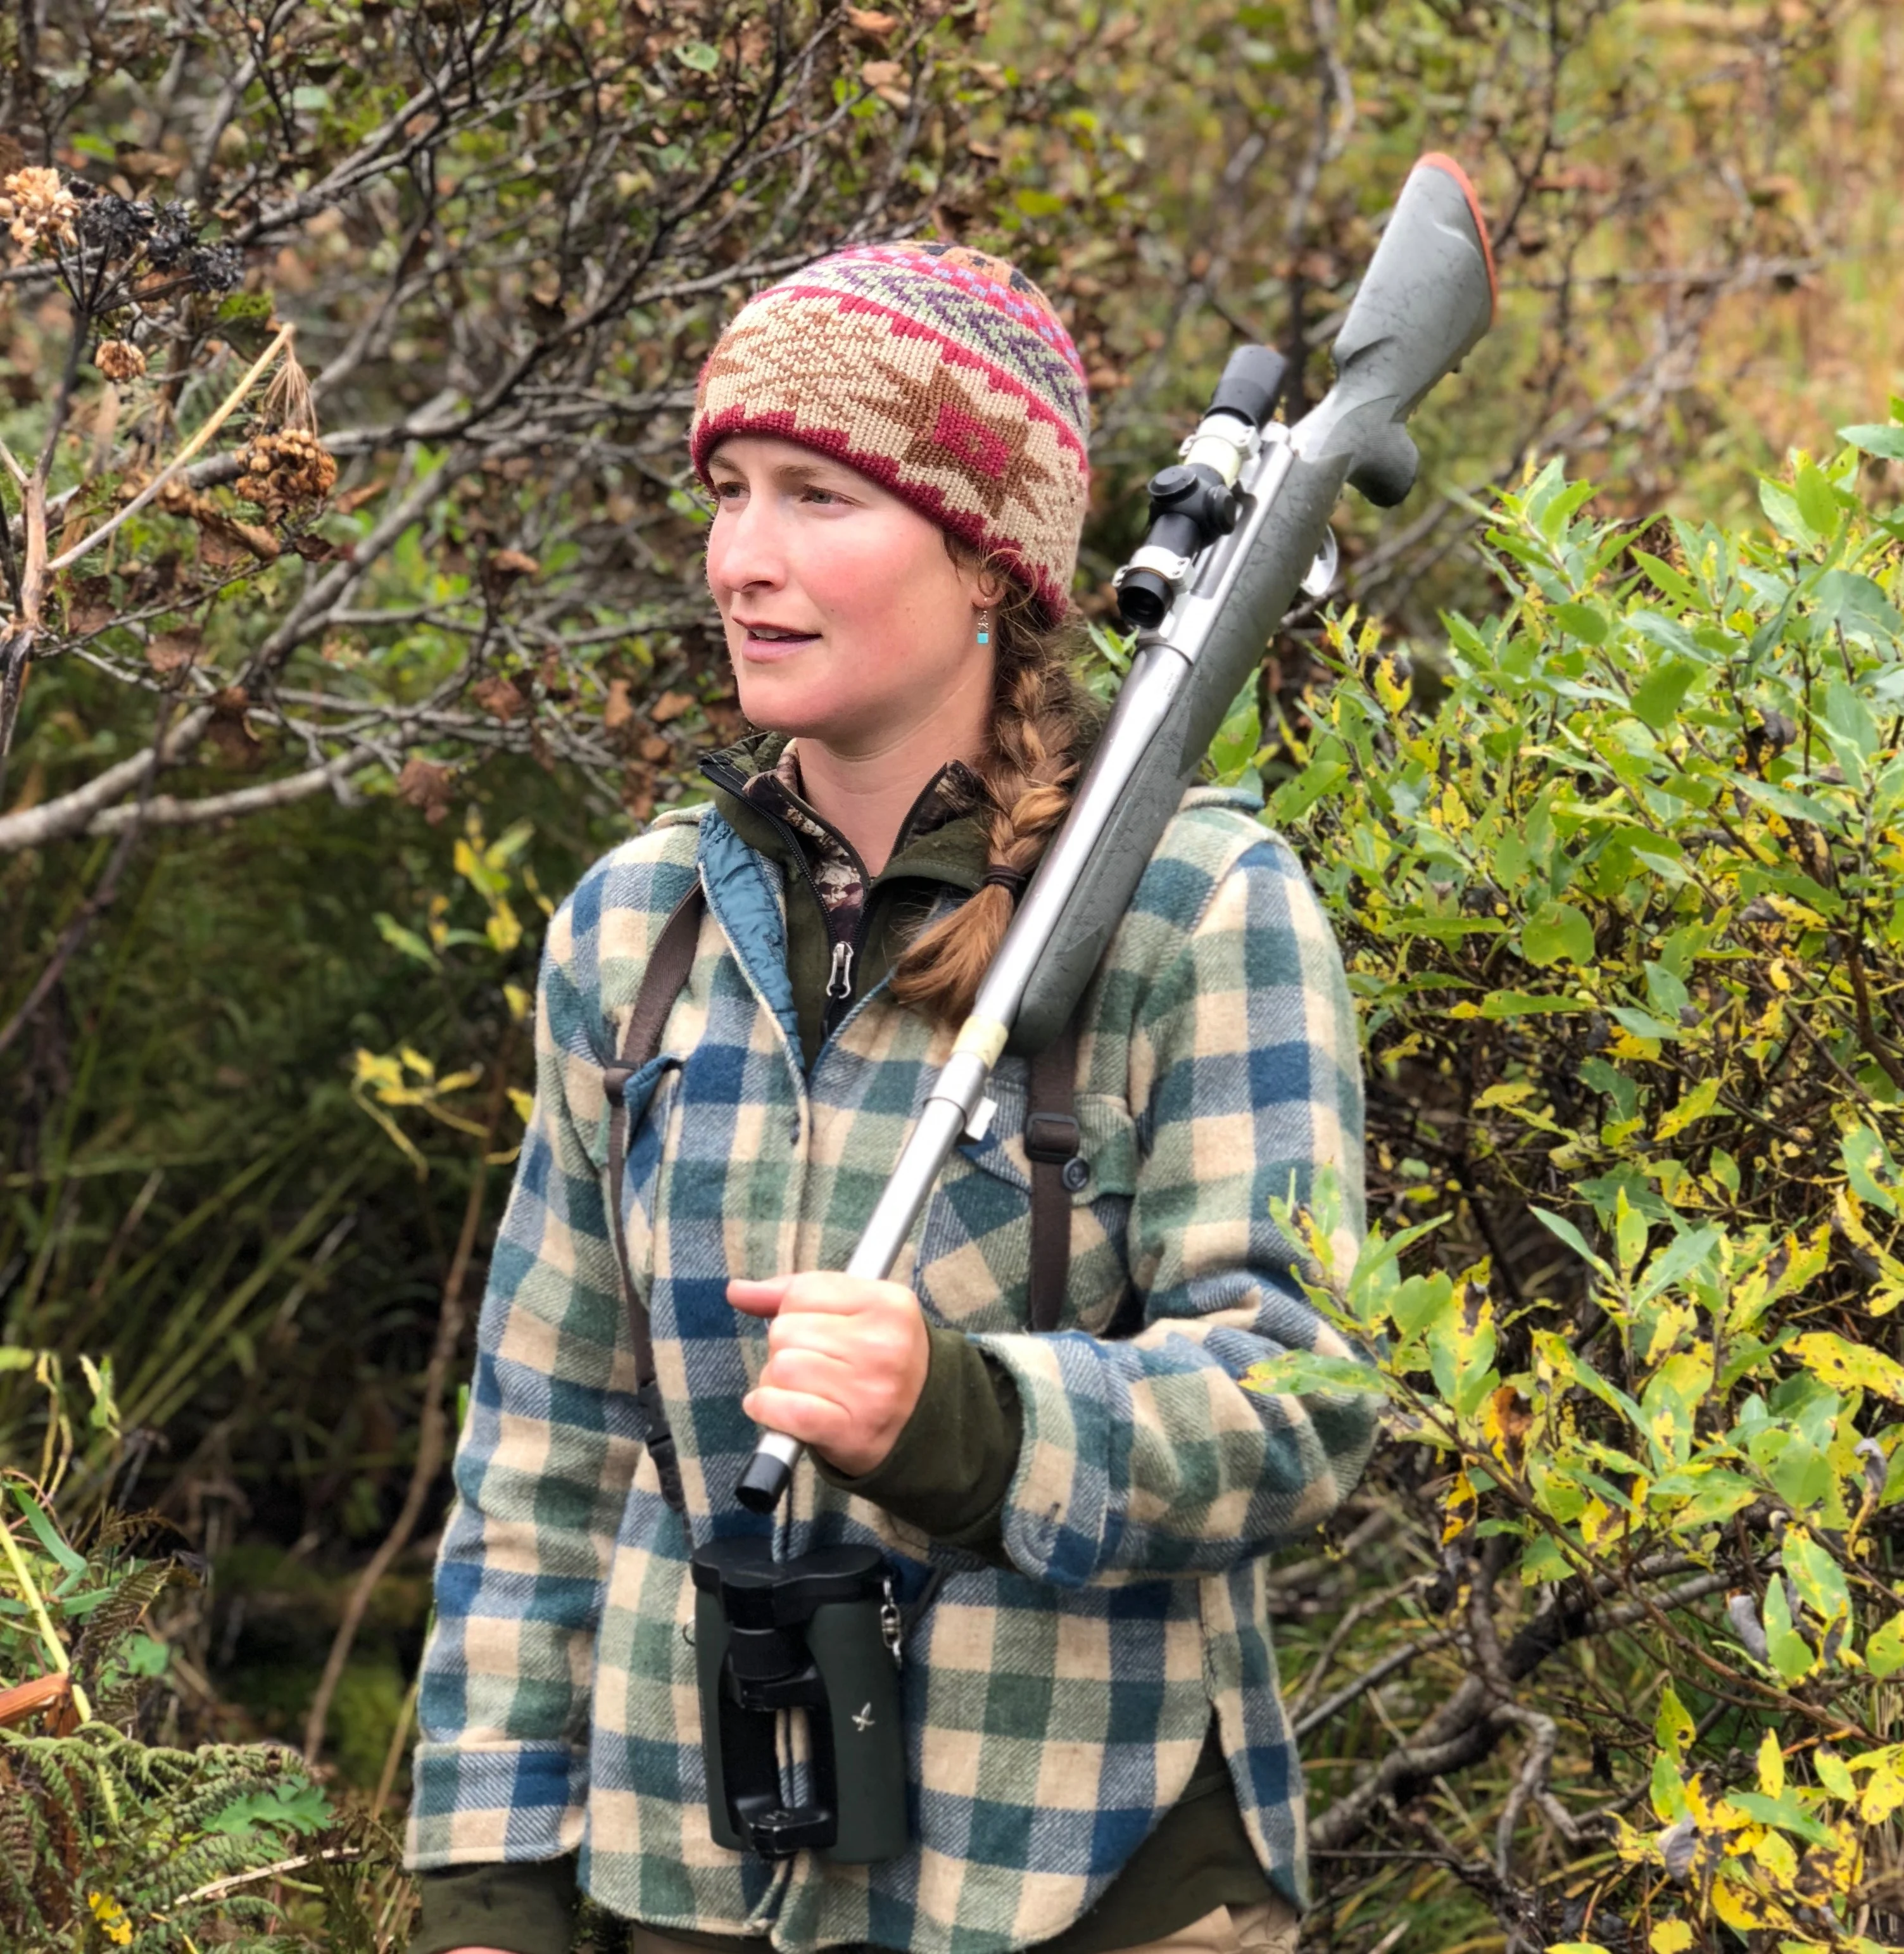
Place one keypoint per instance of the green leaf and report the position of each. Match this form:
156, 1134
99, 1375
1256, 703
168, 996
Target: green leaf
1584, 620
1791, 1654
1818, 502
295, 1808
1418, 1301
1673, 1727
1820, 1581
1869, 1166
1884, 1650
1557, 930
1232, 752
1675, 1262
1298, 1372
1666, 579
1524, 1004
1558, 1225
1873, 438
1658, 697
44, 1532
1785, 1812
1785, 516
1721, 1495
407, 941
698, 55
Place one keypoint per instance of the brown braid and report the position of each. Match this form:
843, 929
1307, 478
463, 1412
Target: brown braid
1041, 720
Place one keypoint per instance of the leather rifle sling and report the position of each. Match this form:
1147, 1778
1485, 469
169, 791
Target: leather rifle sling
666, 977
1051, 1137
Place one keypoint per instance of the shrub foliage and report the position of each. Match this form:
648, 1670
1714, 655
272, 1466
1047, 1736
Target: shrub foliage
1617, 880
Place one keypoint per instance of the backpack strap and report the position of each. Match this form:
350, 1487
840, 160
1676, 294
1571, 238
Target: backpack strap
1051, 1140
666, 977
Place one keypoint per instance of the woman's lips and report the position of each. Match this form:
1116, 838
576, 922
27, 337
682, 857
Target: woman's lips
767, 651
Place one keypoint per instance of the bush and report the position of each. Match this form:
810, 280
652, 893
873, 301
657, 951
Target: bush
1617, 881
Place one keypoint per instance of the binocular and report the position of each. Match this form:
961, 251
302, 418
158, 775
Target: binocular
818, 1635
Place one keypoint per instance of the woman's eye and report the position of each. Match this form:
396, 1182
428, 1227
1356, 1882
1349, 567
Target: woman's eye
819, 495
729, 491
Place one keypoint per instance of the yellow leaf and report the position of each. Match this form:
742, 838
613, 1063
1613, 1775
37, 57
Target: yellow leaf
112, 1917
1670, 1937
417, 1062
376, 1069
518, 1000
1882, 1795
1771, 1765
1460, 1506
523, 1102
1389, 688
1740, 1908
1598, 1520
1849, 1366
1773, 1852
503, 929
1696, 1105
1514, 1094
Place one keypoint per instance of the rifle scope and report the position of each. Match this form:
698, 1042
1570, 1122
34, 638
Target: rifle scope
1191, 502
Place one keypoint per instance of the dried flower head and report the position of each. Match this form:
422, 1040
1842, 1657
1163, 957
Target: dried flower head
35, 204
215, 267
119, 359
116, 225
286, 470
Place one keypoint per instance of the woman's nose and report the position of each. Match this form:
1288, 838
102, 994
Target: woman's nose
744, 549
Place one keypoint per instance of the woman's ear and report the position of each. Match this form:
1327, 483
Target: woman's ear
987, 591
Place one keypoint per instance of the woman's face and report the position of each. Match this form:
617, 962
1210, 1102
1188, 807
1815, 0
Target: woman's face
847, 620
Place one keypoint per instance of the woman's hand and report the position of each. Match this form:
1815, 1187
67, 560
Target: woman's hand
846, 1362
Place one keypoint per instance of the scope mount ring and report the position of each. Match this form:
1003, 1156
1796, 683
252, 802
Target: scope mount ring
1166, 564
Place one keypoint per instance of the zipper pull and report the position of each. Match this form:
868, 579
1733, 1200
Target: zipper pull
839, 983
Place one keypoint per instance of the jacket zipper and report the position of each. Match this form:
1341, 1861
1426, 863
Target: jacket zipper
839, 981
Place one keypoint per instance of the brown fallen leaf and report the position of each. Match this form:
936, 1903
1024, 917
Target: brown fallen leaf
619, 709
424, 785
354, 499
26, 1700
500, 696
671, 706
654, 749
865, 21
172, 651
502, 569
877, 74
230, 730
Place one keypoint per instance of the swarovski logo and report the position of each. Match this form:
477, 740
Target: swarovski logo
863, 1720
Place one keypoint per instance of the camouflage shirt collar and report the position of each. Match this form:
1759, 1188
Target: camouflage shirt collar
767, 766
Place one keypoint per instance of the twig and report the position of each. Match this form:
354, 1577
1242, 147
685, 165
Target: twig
331, 1855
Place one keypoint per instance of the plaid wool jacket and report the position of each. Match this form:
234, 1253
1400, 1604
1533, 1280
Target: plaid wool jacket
1055, 1710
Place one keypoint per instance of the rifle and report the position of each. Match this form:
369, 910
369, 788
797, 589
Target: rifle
1236, 530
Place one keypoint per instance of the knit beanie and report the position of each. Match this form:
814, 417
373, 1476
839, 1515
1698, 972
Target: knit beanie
941, 373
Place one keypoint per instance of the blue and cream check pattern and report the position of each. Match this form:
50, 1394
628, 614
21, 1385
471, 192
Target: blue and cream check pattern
1055, 1710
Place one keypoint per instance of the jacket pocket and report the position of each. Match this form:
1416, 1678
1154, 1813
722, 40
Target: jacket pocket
973, 1268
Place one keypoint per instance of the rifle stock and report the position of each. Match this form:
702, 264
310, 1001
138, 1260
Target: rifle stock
1428, 296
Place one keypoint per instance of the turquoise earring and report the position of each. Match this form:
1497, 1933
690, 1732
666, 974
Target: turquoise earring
985, 627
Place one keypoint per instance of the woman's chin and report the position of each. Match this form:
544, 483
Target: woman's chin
798, 711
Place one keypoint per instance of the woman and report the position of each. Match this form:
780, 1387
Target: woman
895, 440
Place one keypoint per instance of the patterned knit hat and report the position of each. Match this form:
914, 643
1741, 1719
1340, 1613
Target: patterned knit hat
941, 373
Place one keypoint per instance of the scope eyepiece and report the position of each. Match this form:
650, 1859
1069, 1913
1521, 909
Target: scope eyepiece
1191, 502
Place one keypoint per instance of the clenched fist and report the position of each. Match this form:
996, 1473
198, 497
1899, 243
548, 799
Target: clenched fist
846, 1362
